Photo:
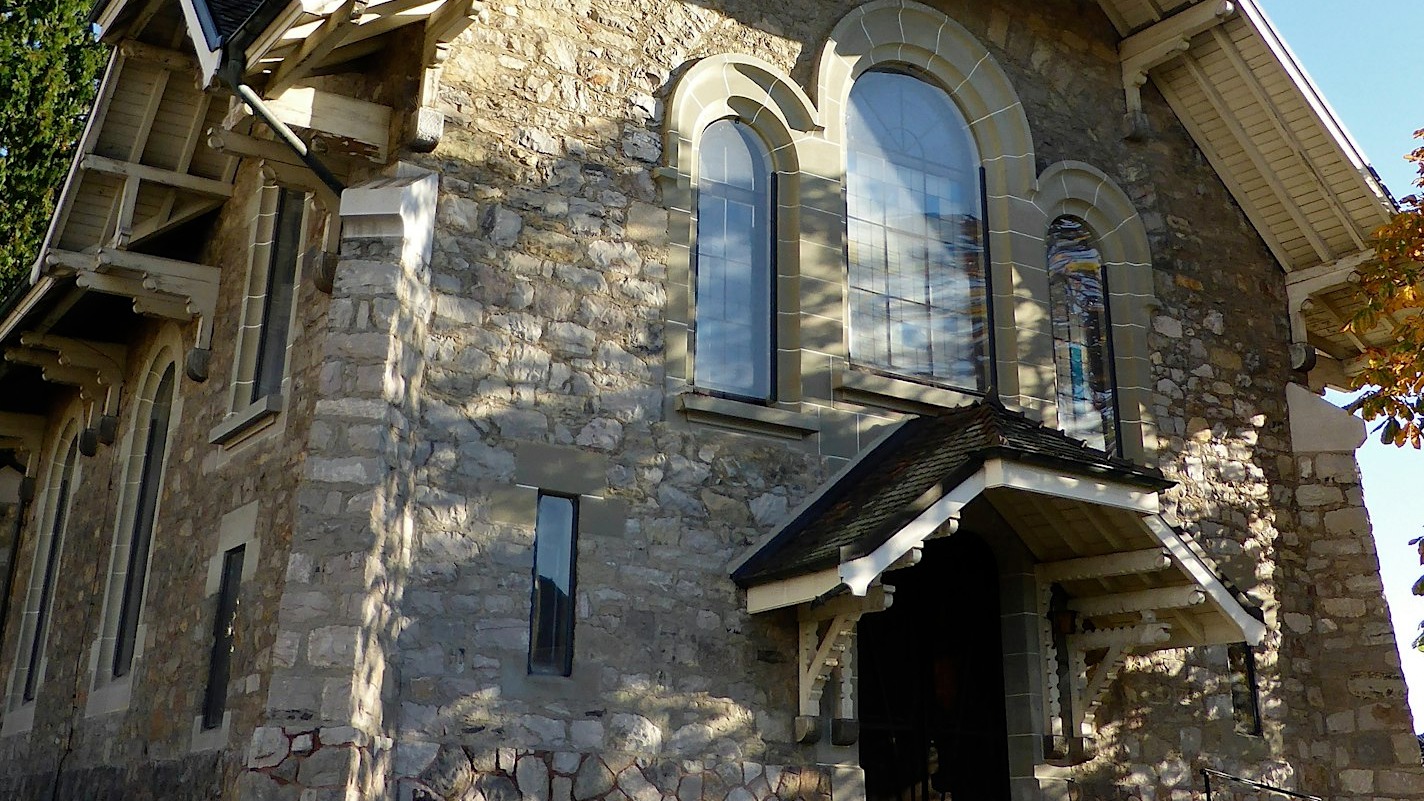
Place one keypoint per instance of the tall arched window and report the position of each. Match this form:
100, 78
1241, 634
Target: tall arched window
39, 601
150, 483
918, 285
732, 349
1082, 334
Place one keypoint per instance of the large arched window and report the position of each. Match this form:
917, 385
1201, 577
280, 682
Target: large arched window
732, 349
1082, 346
918, 285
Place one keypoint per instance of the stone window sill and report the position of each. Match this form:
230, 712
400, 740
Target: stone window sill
897, 394
109, 698
244, 422
20, 720
214, 739
747, 417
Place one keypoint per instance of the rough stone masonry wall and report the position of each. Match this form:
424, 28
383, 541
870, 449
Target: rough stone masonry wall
549, 293
147, 751
327, 726
1338, 644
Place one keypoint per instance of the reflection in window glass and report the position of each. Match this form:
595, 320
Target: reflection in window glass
918, 290
732, 345
1082, 351
551, 622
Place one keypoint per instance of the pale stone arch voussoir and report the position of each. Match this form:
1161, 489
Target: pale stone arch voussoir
758, 94
745, 88
900, 32
1081, 190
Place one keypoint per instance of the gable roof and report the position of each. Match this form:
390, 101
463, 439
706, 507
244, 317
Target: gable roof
223, 20
1275, 142
911, 469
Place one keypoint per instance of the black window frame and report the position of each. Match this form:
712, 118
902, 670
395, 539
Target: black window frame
768, 239
561, 627
144, 519
51, 571
987, 372
279, 295
223, 636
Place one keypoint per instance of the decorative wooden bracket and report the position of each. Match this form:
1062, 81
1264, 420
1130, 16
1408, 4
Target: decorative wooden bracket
101, 364
1074, 690
177, 290
1161, 43
826, 647
1090, 685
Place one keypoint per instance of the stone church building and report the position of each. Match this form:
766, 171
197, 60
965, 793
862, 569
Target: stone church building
703, 400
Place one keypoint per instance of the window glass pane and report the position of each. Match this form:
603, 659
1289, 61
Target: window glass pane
732, 338
224, 619
150, 481
1245, 695
551, 625
281, 290
914, 233
51, 569
1082, 349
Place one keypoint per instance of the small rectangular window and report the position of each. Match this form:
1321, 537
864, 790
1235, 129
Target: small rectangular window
224, 620
551, 621
280, 296
1245, 697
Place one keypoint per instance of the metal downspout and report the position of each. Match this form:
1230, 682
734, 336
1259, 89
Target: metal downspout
231, 75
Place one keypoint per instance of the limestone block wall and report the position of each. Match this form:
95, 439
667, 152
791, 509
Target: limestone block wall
329, 714
547, 359
1337, 643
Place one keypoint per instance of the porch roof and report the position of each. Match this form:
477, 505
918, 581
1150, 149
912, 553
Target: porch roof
1089, 519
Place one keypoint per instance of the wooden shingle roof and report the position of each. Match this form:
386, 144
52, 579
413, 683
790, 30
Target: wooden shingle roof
914, 467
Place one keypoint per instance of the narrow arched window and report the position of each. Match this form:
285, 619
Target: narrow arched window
39, 601
150, 483
915, 233
1082, 334
732, 348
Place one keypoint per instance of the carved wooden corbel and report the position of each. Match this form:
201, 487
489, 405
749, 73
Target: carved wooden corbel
826, 648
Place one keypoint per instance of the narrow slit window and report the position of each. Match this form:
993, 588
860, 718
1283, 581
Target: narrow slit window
1245, 695
52, 548
1082, 335
224, 623
551, 622
732, 348
141, 536
279, 297
918, 279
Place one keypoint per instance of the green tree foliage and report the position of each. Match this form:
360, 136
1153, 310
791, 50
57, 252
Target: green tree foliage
49, 68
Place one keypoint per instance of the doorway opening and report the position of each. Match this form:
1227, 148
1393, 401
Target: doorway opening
931, 688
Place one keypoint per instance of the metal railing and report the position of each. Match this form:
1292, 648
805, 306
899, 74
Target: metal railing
1207, 773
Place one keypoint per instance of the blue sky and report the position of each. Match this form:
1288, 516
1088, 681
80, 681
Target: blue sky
1362, 57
